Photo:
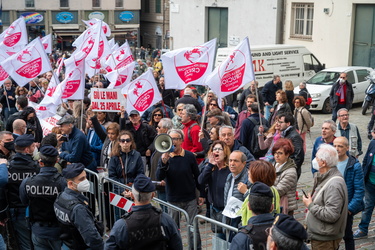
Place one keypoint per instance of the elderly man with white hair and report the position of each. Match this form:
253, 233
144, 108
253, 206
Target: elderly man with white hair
327, 203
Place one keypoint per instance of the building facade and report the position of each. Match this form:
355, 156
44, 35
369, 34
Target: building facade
340, 33
62, 18
154, 31
194, 22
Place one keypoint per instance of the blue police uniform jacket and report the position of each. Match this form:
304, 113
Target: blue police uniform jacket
119, 237
43, 191
79, 217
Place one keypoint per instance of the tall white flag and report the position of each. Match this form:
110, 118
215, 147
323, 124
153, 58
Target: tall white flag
234, 72
28, 63
47, 43
141, 93
188, 65
120, 77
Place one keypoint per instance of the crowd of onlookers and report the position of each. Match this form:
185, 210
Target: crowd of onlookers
248, 147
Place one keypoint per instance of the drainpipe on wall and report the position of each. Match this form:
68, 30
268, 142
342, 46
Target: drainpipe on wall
280, 19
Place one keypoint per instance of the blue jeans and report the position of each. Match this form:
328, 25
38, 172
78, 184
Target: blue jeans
21, 228
45, 244
8, 112
268, 111
369, 207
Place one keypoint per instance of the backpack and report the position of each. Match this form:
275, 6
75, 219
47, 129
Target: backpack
254, 143
304, 122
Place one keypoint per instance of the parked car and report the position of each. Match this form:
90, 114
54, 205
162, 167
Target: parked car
320, 85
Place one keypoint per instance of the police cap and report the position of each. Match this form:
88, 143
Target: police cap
143, 184
48, 150
24, 140
260, 189
289, 227
73, 170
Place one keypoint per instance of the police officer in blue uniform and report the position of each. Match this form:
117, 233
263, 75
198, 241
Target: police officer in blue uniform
145, 227
21, 167
39, 193
80, 229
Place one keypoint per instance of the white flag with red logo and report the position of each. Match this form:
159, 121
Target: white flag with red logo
3, 74
120, 77
188, 65
47, 43
105, 26
73, 86
15, 35
111, 42
28, 63
234, 72
141, 93
100, 49
121, 57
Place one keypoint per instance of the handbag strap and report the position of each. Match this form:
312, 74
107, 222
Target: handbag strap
123, 169
326, 184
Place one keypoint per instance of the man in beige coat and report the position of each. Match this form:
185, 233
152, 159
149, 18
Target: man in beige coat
327, 203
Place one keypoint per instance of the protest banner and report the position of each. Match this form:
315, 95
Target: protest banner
107, 100
49, 123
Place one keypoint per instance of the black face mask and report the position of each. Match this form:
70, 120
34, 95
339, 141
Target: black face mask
9, 145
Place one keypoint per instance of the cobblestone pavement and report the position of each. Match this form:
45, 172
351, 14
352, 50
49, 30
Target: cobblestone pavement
306, 180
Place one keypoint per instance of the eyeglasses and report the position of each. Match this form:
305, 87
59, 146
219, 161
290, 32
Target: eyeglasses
281, 122
279, 153
344, 115
213, 104
158, 115
209, 96
180, 109
176, 139
217, 149
125, 140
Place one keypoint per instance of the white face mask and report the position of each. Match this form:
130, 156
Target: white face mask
315, 164
342, 80
83, 186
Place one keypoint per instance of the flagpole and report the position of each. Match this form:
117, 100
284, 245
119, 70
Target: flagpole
6, 97
39, 87
205, 111
82, 115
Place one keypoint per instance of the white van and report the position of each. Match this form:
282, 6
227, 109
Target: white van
290, 62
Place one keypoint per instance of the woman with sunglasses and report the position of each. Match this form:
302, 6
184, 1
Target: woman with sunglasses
156, 116
125, 163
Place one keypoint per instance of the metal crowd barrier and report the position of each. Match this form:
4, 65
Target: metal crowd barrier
207, 234
94, 195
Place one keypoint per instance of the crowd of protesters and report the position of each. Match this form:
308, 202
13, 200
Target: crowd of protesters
253, 155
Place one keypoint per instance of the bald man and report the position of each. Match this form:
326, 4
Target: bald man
19, 128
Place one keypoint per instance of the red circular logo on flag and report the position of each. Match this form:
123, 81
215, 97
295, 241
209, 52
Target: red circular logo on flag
28, 63
192, 64
12, 35
141, 94
231, 72
3, 74
72, 84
